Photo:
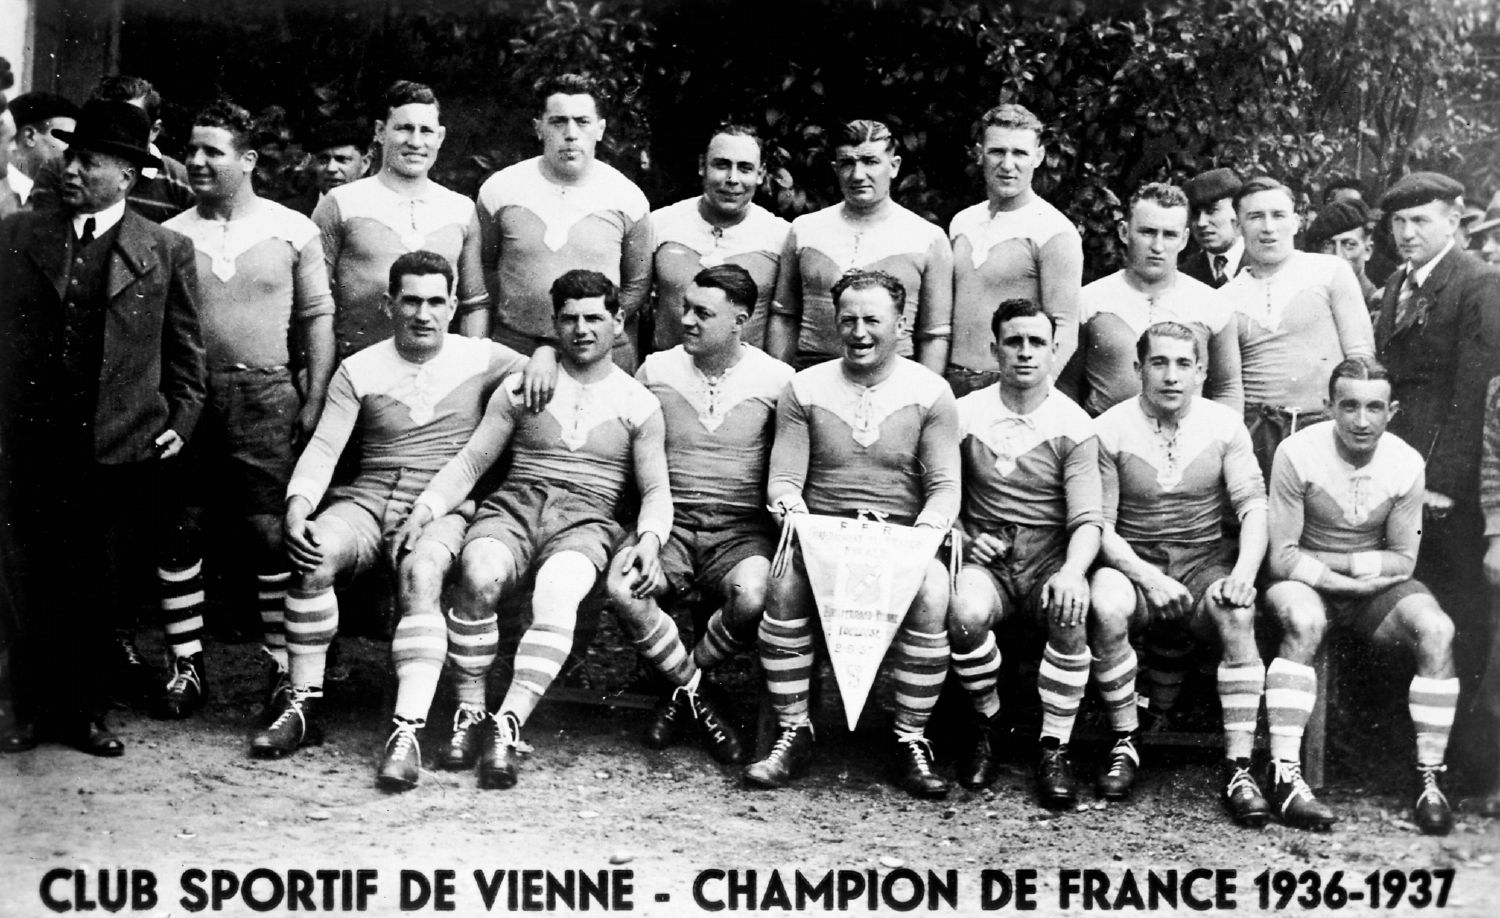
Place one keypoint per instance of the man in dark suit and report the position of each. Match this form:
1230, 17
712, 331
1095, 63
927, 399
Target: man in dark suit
102, 374
1214, 226
1438, 333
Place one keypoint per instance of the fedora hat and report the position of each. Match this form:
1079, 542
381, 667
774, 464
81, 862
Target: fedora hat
116, 128
1491, 218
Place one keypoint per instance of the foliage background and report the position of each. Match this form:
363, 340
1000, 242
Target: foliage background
1132, 91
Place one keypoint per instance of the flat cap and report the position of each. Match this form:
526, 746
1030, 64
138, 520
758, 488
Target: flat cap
1205, 188
36, 107
1417, 188
1338, 217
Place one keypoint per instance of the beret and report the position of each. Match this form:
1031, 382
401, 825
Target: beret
1207, 187
1418, 188
1338, 217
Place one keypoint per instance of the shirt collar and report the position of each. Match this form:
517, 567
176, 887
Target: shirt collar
104, 220
1233, 256
1419, 275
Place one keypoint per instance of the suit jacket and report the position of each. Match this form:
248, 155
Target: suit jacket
152, 376
1441, 358
1197, 267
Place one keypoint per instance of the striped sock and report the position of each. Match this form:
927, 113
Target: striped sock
1240, 688
1115, 678
662, 647
270, 599
978, 671
417, 651
471, 651
182, 607
786, 655
1291, 690
1061, 682
922, 662
718, 644
540, 656
1167, 662
1432, 703
312, 619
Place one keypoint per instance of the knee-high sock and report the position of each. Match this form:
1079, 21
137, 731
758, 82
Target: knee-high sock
1115, 676
417, 651
922, 662
270, 600
540, 656
786, 654
471, 651
182, 607
1291, 691
312, 619
978, 671
1240, 688
1432, 703
718, 643
1061, 682
1167, 660
662, 646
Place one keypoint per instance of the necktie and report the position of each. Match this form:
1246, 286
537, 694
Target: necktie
1405, 297
88, 232
1220, 263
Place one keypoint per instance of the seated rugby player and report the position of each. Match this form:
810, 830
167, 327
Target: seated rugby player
718, 398
1346, 520
409, 403
551, 525
1032, 516
1170, 462
875, 433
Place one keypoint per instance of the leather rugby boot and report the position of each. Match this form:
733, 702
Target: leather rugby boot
1242, 796
500, 753
980, 765
292, 729
401, 765
468, 735
1117, 779
1056, 787
719, 732
787, 759
671, 722
186, 691
1293, 800
914, 770
278, 690
1431, 812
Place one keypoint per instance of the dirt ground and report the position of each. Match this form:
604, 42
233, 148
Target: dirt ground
187, 795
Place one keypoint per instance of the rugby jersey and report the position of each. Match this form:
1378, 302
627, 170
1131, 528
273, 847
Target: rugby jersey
891, 447
683, 243
366, 226
535, 230
255, 273
719, 432
1172, 489
998, 257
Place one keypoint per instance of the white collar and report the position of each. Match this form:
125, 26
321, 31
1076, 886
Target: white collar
1419, 275
1232, 257
104, 220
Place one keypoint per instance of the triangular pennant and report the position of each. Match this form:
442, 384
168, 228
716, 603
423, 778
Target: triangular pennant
863, 575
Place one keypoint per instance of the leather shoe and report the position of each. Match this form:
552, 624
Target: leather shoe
719, 732
981, 766
673, 718
186, 691
1294, 802
401, 765
15, 735
1056, 787
1432, 813
468, 735
93, 737
499, 755
914, 770
1242, 796
134, 680
294, 728
787, 759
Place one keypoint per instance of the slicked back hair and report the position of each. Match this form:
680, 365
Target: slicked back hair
122, 88
1018, 308
863, 130
223, 113
406, 92
1357, 368
418, 264
1175, 330
738, 286
582, 284
567, 84
1012, 117
735, 129
859, 279
1263, 183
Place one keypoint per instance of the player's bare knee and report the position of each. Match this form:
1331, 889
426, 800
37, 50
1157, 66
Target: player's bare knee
1069, 640
266, 530
970, 618
483, 574
747, 597
421, 574
1431, 634
1108, 625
